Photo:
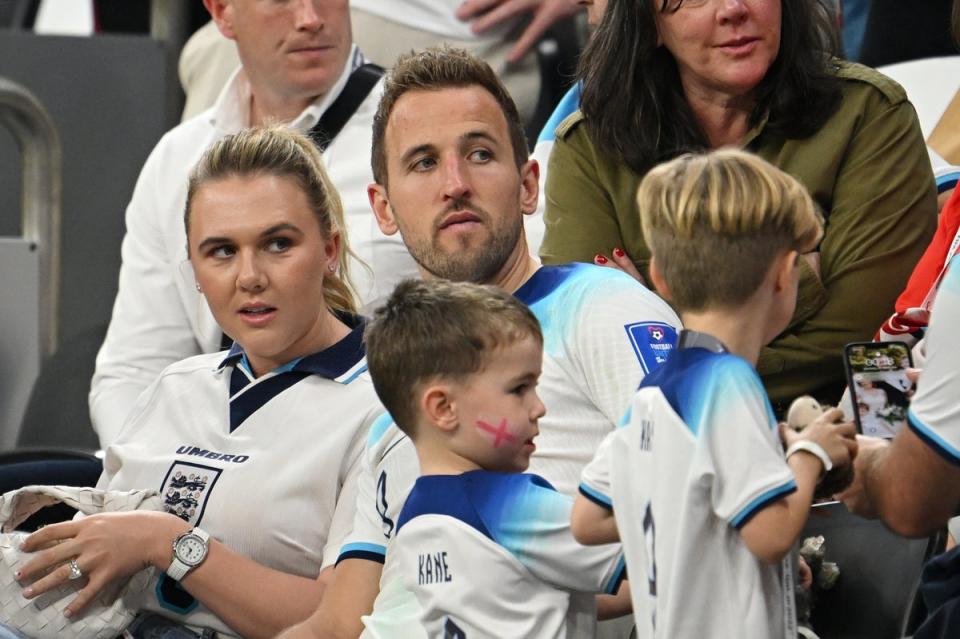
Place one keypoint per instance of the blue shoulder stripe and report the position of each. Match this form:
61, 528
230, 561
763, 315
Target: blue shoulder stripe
360, 550
762, 502
378, 429
933, 440
596, 497
619, 574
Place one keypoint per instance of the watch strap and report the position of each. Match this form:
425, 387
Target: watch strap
814, 449
177, 570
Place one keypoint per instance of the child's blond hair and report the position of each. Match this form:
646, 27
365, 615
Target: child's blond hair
714, 222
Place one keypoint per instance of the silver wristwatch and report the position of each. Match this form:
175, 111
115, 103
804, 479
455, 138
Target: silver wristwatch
189, 551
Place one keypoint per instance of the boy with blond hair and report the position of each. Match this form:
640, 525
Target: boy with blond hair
696, 483
486, 549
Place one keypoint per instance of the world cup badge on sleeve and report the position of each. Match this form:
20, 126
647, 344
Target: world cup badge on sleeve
652, 342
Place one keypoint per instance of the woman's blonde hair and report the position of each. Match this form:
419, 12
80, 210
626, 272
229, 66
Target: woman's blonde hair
715, 222
282, 152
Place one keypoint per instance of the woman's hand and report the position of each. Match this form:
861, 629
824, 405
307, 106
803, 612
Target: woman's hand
621, 261
105, 547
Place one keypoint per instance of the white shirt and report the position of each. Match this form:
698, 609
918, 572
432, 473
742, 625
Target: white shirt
491, 555
934, 413
158, 316
251, 461
698, 456
435, 16
603, 332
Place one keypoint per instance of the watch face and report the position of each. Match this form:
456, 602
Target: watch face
191, 550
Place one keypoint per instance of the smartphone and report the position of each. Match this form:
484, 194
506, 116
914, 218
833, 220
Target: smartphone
879, 388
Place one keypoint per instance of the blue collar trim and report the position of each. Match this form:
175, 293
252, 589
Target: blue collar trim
331, 363
543, 282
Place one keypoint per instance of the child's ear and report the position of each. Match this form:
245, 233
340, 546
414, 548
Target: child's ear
785, 268
439, 407
656, 278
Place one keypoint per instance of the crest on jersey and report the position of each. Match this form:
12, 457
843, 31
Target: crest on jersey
652, 342
186, 488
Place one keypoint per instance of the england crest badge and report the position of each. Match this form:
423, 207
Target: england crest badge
186, 488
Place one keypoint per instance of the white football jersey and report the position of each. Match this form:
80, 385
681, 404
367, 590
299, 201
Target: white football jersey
934, 413
603, 332
267, 466
698, 455
491, 555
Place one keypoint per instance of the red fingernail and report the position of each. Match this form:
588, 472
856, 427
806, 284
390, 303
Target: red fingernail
599, 259
618, 252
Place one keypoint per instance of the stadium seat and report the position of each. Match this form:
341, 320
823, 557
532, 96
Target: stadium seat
57, 414
930, 84
876, 594
56, 443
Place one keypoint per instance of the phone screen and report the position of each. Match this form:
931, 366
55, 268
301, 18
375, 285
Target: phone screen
879, 387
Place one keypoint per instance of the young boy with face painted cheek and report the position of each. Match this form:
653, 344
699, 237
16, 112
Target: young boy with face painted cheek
486, 550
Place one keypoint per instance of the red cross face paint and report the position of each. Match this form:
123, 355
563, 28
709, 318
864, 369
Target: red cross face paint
503, 439
500, 433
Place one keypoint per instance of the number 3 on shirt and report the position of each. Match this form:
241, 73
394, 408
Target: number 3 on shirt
649, 533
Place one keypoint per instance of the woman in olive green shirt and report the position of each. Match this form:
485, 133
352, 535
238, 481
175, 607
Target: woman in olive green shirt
663, 77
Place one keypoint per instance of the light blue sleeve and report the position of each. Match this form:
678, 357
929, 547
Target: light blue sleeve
532, 521
595, 481
388, 470
934, 413
735, 424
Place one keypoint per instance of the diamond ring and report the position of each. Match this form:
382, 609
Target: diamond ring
75, 572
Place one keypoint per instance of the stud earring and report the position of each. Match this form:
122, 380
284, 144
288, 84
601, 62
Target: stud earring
197, 284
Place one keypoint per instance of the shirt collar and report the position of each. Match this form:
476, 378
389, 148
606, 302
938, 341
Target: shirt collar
231, 111
695, 339
544, 281
755, 130
341, 362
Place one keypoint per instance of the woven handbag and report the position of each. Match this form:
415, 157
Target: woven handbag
42, 617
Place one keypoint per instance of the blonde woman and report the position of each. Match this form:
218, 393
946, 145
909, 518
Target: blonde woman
254, 450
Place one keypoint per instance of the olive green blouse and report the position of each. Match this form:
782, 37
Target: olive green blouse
867, 168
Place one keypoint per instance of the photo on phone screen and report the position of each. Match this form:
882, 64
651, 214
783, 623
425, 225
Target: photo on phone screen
879, 387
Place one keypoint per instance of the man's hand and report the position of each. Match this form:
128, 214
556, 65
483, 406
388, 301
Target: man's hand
485, 14
855, 497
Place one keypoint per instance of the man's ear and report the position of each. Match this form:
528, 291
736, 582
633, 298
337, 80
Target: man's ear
221, 12
438, 405
380, 203
656, 278
529, 187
